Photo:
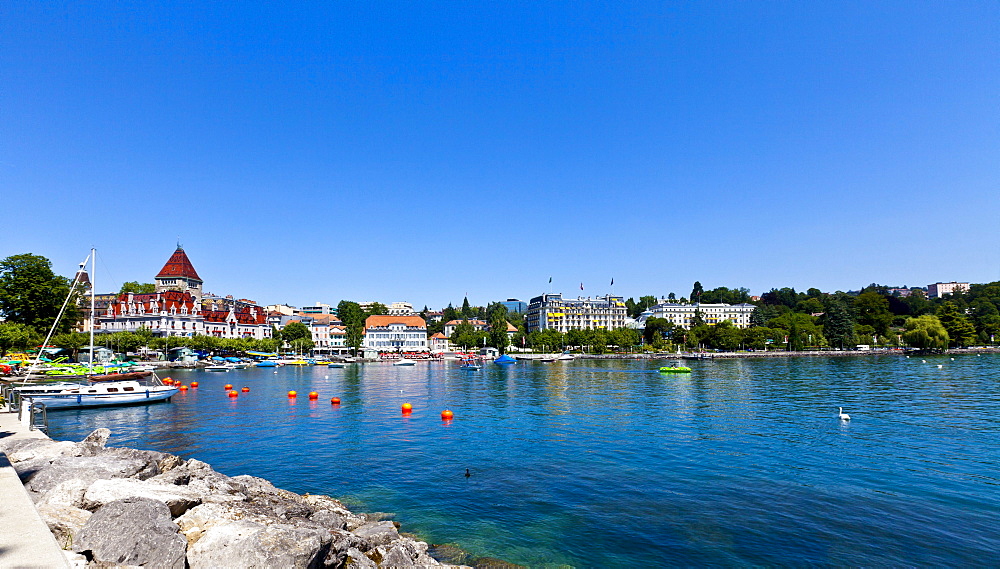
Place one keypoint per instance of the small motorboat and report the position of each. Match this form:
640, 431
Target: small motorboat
97, 395
675, 369
335, 365
471, 365
505, 360
219, 367
403, 362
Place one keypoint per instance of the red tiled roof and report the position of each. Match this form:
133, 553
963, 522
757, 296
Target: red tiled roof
471, 322
179, 266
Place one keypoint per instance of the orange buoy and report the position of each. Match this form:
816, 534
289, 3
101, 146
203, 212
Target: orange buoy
227, 386
245, 390
407, 408
233, 393
335, 400
292, 394
447, 415
183, 388
313, 395
194, 384
168, 380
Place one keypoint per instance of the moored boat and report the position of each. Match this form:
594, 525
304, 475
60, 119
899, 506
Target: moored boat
675, 369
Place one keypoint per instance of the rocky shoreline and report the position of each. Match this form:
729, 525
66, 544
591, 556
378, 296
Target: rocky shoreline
113, 507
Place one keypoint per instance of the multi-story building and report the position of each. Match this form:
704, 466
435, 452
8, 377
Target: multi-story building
515, 305
552, 311
400, 309
179, 308
682, 315
938, 290
395, 334
477, 325
319, 308
328, 338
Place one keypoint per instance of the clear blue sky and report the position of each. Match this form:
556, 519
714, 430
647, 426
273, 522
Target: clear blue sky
421, 151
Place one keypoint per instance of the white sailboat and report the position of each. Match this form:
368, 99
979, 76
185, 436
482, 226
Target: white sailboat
92, 394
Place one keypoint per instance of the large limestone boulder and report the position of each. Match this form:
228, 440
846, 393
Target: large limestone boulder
133, 531
377, 533
246, 543
64, 522
41, 448
67, 493
93, 444
88, 468
177, 498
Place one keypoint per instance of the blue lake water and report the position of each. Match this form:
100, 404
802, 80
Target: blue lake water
598, 463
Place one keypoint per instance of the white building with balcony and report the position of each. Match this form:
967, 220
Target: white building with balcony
682, 315
552, 311
395, 334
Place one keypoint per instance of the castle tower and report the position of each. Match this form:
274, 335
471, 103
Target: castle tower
179, 274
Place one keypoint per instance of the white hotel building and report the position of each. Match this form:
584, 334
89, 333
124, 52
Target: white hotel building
681, 315
552, 311
395, 334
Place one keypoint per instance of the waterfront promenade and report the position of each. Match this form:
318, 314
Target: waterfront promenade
25, 540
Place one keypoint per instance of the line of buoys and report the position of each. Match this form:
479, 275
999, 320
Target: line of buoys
227, 386
447, 415
233, 394
194, 384
245, 390
292, 394
407, 408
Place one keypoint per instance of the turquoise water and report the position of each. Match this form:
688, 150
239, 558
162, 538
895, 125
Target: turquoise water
609, 464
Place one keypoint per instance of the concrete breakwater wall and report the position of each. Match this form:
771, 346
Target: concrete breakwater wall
120, 506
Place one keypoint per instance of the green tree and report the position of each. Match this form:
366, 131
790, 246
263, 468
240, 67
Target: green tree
725, 336
872, 309
71, 341
31, 294
449, 314
498, 328
961, 332
136, 287
926, 333
838, 325
17, 337
696, 292
353, 317
467, 311
376, 309
657, 328
295, 331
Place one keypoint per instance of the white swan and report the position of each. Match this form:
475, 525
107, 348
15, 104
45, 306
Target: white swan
940, 366
843, 416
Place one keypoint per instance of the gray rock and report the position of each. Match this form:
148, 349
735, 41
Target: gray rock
133, 531
177, 498
64, 522
66, 493
93, 444
41, 448
377, 533
151, 458
75, 560
329, 518
249, 544
394, 555
358, 560
170, 462
88, 468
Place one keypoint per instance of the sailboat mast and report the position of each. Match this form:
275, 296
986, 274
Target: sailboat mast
93, 289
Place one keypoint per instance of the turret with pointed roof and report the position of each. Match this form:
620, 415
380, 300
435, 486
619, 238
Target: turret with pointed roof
179, 274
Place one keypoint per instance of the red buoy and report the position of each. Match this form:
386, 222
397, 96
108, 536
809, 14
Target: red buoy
183, 388
407, 408
233, 394
313, 395
245, 390
292, 394
335, 400
167, 380
227, 386
194, 384
447, 415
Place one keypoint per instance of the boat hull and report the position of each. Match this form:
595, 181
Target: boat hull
73, 400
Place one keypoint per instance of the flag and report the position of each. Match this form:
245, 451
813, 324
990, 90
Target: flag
550, 280
612, 281
581, 286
